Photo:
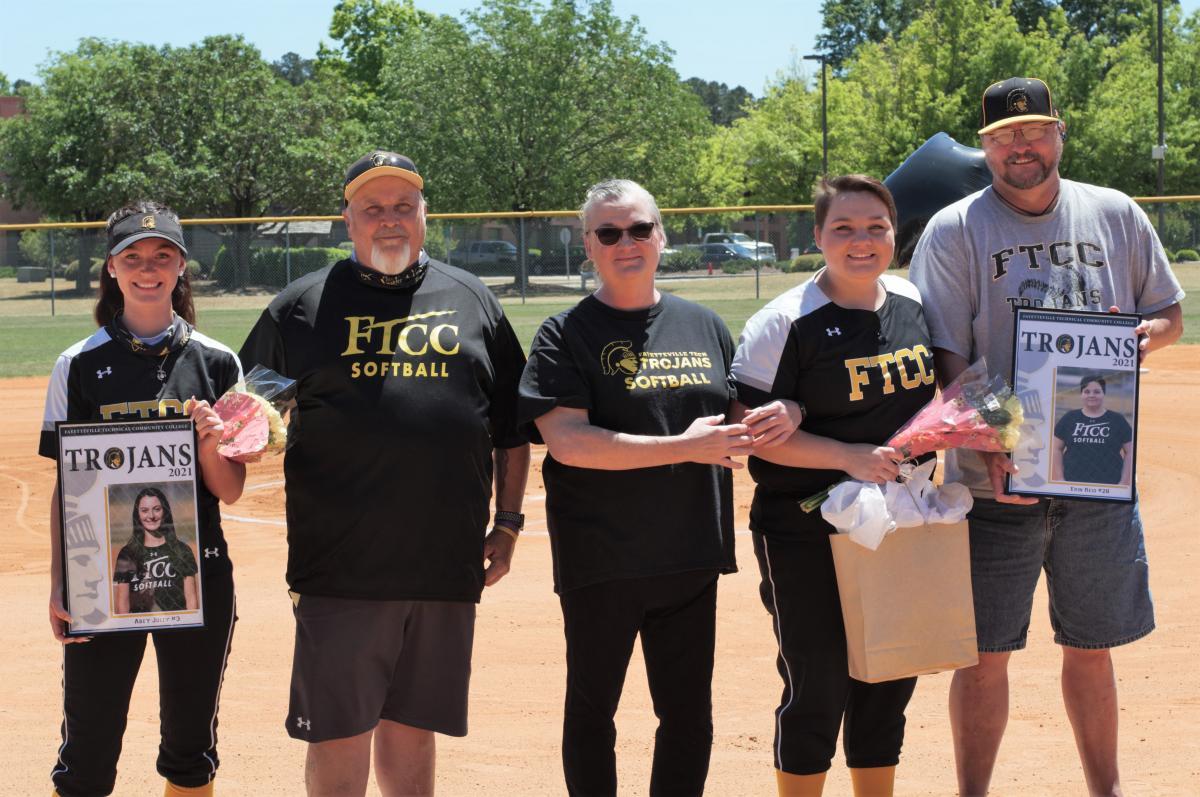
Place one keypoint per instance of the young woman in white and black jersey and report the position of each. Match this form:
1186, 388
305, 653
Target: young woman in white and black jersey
146, 360
852, 348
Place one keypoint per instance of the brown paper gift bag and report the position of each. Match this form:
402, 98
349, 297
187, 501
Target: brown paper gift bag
907, 606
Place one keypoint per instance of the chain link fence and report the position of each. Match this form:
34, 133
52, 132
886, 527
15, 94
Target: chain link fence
517, 254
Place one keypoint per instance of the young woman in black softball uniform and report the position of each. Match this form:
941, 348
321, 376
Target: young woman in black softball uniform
851, 347
147, 360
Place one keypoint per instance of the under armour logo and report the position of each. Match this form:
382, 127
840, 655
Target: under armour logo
103, 372
831, 332
303, 723
209, 552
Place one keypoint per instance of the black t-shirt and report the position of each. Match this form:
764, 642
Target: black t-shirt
1093, 452
155, 575
644, 372
402, 393
861, 375
103, 379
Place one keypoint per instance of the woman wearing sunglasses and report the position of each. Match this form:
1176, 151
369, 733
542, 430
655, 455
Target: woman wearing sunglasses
849, 345
629, 390
147, 361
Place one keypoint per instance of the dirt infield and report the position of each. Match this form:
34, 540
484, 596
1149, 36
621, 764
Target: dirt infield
517, 689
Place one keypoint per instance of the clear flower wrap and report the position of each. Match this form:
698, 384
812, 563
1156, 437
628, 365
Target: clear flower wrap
252, 411
974, 411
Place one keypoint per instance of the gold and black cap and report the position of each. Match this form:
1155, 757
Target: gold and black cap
1018, 99
141, 226
379, 164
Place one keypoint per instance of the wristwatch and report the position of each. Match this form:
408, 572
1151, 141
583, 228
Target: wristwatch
515, 519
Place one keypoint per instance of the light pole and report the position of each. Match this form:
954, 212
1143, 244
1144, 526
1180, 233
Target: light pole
1160, 152
824, 113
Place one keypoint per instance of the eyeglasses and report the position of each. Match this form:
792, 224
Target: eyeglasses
609, 236
1030, 134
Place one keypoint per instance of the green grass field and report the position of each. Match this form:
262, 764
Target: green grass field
30, 338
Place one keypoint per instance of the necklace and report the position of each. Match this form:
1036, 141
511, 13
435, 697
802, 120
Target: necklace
159, 372
175, 339
1024, 212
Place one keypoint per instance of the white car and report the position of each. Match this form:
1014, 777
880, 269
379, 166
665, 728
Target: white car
761, 249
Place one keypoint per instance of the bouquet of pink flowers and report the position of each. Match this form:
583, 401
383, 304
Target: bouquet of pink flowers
252, 411
974, 411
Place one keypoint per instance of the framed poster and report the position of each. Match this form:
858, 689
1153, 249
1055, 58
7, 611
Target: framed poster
1077, 377
129, 525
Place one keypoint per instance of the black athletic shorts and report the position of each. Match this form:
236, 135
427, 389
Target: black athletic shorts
360, 661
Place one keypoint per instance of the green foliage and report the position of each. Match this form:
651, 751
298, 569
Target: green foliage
268, 266
367, 31
71, 271
526, 104
923, 72
741, 266
723, 103
35, 247
1187, 256
294, 69
683, 260
811, 262
5, 86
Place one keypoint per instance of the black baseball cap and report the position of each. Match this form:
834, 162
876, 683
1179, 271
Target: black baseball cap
141, 226
1018, 99
380, 164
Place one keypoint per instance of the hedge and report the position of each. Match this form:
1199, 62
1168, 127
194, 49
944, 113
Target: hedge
1187, 256
268, 265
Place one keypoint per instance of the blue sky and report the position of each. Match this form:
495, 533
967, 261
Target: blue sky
747, 42
744, 43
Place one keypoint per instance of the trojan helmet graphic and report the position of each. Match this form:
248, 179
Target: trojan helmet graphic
619, 357
1018, 101
114, 458
148, 223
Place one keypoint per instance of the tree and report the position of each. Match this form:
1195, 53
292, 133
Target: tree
1113, 21
245, 142
86, 143
294, 69
847, 24
724, 104
367, 31
527, 104
5, 88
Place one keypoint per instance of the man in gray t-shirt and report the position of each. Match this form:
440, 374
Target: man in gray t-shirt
1035, 239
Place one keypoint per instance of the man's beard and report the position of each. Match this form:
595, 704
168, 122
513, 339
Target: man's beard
390, 260
1033, 179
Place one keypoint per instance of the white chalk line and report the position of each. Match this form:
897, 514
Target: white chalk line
22, 504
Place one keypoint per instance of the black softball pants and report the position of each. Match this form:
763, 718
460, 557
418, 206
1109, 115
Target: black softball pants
676, 617
98, 681
799, 589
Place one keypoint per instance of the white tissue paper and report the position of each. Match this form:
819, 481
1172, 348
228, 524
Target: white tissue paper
869, 512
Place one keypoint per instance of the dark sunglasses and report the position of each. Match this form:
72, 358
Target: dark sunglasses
609, 236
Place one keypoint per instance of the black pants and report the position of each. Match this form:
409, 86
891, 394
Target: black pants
676, 616
98, 680
799, 589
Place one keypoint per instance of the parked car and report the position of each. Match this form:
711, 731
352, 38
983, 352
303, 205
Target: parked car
764, 250
552, 263
719, 253
476, 255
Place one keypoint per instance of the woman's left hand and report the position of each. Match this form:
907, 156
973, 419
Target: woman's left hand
209, 426
774, 422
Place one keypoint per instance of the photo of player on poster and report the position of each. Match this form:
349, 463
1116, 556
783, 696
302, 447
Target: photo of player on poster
1093, 429
155, 568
